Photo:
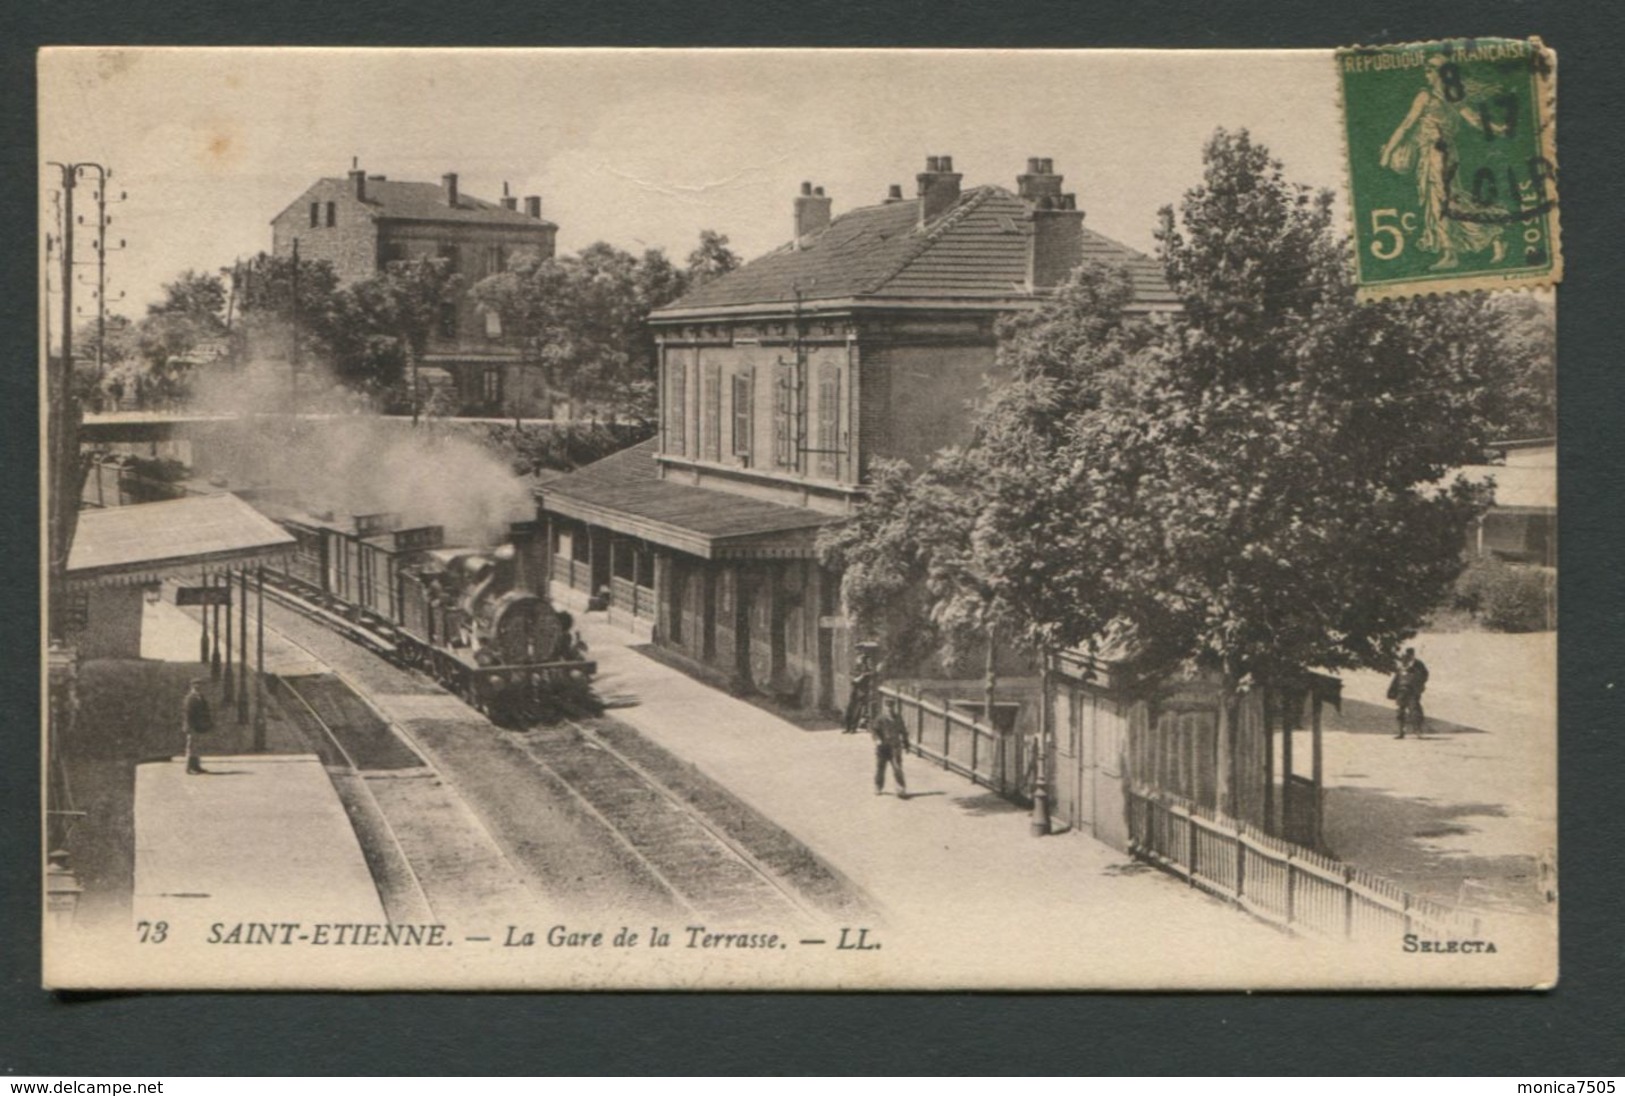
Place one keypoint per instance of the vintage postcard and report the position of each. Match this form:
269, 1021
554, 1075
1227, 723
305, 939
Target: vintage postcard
586, 519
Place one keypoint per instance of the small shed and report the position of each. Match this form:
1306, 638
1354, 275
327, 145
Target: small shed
122, 552
1111, 733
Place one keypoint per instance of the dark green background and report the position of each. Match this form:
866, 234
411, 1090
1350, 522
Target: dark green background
1375, 102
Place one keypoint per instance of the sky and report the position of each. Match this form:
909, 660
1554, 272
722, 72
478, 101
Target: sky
645, 148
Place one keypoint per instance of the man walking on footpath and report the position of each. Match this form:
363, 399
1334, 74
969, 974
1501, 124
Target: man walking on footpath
196, 720
1405, 690
891, 741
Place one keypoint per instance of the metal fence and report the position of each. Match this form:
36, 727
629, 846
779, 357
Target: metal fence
963, 744
1285, 884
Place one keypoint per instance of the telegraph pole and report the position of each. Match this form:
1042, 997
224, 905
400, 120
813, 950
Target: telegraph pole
294, 362
100, 246
63, 409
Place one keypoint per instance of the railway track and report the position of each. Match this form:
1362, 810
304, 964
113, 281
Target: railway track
703, 869
706, 870
399, 885
281, 591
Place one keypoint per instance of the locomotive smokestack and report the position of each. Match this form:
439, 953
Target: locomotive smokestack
530, 556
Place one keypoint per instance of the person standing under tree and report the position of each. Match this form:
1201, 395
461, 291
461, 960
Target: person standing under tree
1405, 690
891, 742
196, 720
860, 700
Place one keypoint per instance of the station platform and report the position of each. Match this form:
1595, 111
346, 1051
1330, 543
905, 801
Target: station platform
258, 837
953, 870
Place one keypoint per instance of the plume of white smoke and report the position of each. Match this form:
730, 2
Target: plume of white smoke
331, 454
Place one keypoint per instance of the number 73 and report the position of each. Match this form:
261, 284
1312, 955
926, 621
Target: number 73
1383, 223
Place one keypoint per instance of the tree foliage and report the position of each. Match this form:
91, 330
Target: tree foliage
366, 333
1524, 378
711, 259
582, 318
285, 309
378, 326
199, 297
1257, 488
152, 358
1252, 485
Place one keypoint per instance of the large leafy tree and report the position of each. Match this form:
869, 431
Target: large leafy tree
387, 321
914, 575
711, 259
1255, 487
582, 318
285, 309
196, 295
105, 355
190, 315
1524, 389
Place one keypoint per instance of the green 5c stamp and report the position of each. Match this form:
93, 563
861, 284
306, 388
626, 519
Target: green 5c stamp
1451, 165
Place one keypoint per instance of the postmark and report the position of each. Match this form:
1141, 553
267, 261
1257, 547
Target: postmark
1452, 165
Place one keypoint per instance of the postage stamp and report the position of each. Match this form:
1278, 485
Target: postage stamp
1451, 165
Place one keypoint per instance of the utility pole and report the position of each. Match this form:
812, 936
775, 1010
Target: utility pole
294, 362
63, 409
100, 247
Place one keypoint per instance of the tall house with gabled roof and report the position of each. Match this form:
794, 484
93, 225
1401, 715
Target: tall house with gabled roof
360, 223
866, 336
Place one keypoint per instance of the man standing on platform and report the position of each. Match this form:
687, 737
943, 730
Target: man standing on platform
891, 742
1406, 688
196, 720
860, 703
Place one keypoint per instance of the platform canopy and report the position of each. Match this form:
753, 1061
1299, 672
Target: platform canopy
126, 545
624, 492
1529, 489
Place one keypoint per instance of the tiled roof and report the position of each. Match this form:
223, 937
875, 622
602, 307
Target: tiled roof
138, 539
403, 201
624, 492
976, 250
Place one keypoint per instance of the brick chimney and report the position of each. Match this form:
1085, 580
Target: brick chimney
533, 206
1056, 246
448, 183
1040, 181
939, 187
508, 200
358, 184
812, 211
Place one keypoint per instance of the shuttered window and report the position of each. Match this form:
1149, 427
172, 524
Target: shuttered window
784, 434
711, 416
676, 408
742, 415
829, 423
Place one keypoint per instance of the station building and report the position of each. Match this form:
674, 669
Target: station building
360, 223
865, 337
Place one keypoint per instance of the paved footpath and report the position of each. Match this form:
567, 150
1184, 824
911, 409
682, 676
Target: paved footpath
953, 863
1468, 814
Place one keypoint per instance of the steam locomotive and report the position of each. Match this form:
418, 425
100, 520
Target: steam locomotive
475, 618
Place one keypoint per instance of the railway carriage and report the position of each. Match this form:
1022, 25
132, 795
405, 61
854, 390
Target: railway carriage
475, 618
